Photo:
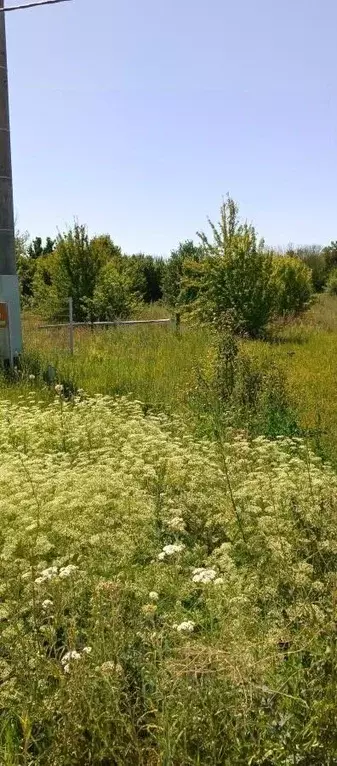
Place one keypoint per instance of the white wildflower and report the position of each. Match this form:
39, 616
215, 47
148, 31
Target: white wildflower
153, 595
203, 576
31, 377
69, 657
59, 389
218, 581
46, 604
176, 524
187, 626
87, 650
170, 550
67, 571
46, 574
110, 667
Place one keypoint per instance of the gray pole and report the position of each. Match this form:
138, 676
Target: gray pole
10, 336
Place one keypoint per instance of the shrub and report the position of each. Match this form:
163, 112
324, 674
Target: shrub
235, 390
293, 285
112, 298
313, 256
172, 280
72, 270
234, 274
332, 282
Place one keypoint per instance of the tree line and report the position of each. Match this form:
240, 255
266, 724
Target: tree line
230, 270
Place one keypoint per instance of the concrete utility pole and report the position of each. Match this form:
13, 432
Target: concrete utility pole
10, 317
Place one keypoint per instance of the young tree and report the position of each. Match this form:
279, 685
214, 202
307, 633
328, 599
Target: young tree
73, 269
186, 251
293, 285
113, 297
235, 275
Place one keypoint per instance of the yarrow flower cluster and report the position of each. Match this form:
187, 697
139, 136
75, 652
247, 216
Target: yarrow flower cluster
53, 572
73, 656
170, 550
110, 668
176, 524
203, 576
187, 626
47, 574
47, 604
153, 595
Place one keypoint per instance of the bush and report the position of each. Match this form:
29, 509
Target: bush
332, 282
235, 274
313, 256
145, 274
112, 298
173, 275
235, 391
73, 269
293, 286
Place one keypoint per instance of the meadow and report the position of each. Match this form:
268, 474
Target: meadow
167, 597
158, 366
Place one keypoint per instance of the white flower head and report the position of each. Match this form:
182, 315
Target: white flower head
59, 389
153, 595
87, 650
31, 377
111, 668
46, 574
170, 550
67, 571
187, 626
176, 524
68, 658
46, 604
203, 576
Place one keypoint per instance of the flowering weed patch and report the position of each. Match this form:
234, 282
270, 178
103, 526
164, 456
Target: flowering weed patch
163, 600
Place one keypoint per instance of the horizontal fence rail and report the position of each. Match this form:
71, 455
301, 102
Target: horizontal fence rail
116, 323
70, 324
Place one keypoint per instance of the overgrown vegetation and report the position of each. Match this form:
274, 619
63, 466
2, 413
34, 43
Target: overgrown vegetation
232, 271
168, 543
164, 600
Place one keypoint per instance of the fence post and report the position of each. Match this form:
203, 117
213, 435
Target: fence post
71, 326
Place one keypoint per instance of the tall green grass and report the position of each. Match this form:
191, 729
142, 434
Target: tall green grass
156, 365
153, 363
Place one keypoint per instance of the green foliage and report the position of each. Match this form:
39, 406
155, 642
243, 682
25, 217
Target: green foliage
172, 280
235, 274
145, 275
164, 599
312, 256
73, 269
234, 390
112, 298
332, 282
330, 256
26, 261
293, 285
36, 249
26, 273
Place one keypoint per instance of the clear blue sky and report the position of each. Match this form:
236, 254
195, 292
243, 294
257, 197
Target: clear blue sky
137, 116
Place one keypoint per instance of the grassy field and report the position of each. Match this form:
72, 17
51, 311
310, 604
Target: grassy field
307, 352
165, 599
156, 364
